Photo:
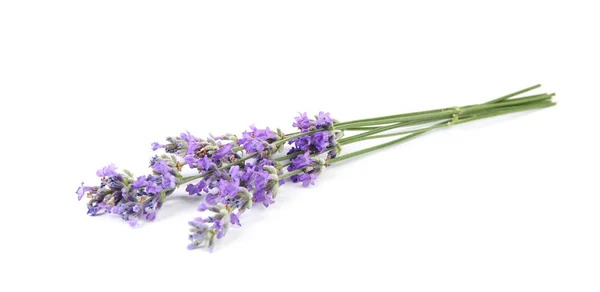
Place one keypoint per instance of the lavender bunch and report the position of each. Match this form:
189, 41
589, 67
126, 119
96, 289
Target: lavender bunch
235, 173
232, 173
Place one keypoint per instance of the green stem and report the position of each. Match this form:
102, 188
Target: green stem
538, 105
286, 157
499, 99
188, 179
374, 148
460, 120
376, 130
361, 128
371, 132
447, 113
448, 122
432, 111
288, 174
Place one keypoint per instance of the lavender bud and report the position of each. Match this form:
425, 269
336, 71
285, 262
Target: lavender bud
231, 137
270, 169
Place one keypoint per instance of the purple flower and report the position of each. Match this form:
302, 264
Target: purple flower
110, 170
256, 140
187, 136
80, 192
175, 145
169, 181
262, 196
191, 161
95, 210
140, 182
192, 189
220, 228
234, 219
133, 222
153, 188
235, 173
161, 167
224, 151
307, 179
151, 216
211, 199
154, 160
324, 120
195, 189
253, 145
192, 146
202, 207
262, 134
205, 163
300, 161
261, 179
302, 143
303, 122
155, 146
115, 182
320, 140
228, 188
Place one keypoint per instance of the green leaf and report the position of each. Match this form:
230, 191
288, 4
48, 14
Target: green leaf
128, 173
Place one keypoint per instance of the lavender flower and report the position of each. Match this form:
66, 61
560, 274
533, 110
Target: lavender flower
82, 190
110, 170
228, 187
225, 152
324, 120
156, 146
317, 142
132, 199
320, 141
304, 123
306, 179
257, 140
187, 136
300, 161
312, 168
204, 231
205, 163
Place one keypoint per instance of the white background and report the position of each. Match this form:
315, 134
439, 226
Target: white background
506, 204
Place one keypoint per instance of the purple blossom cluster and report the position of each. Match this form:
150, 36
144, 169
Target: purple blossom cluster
323, 136
230, 195
232, 175
311, 168
231, 189
132, 199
